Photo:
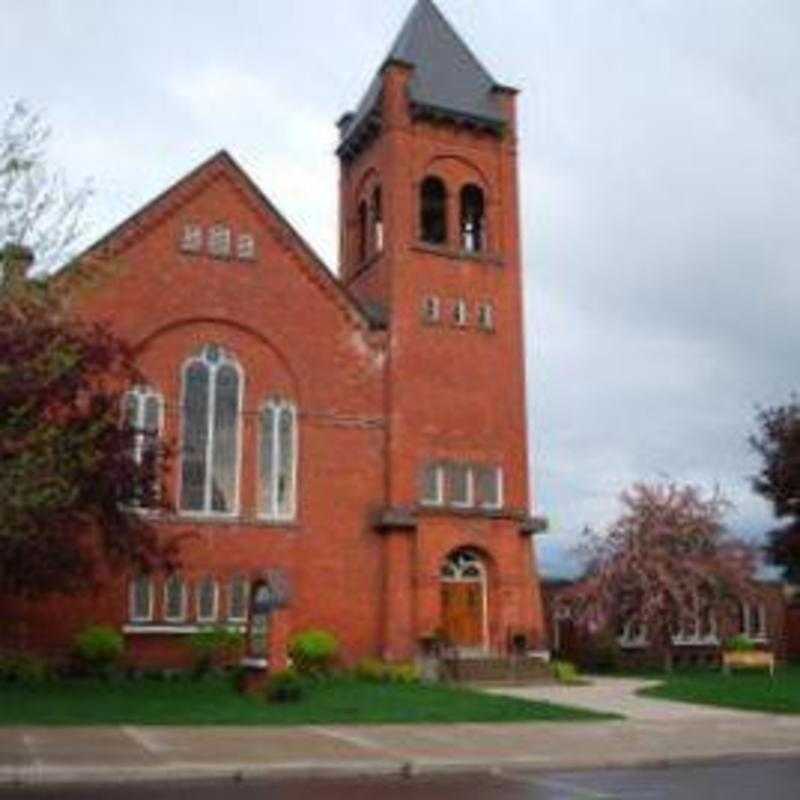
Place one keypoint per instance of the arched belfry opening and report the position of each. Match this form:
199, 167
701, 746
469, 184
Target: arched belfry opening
362, 231
376, 215
433, 211
473, 219
465, 600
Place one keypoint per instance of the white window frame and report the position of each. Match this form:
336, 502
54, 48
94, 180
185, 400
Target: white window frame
132, 615
461, 313
470, 501
498, 471
747, 609
192, 238
246, 582
246, 247
274, 513
184, 598
227, 357
142, 395
438, 502
697, 639
628, 641
215, 613
218, 233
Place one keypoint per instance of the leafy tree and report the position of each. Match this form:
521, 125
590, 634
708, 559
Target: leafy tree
667, 563
67, 465
778, 444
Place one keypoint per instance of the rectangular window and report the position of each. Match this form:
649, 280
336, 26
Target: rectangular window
141, 599
486, 316
431, 310
433, 485
278, 459
489, 487
144, 410
192, 239
219, 241
174, 599
239, 594
207, 600
246, 247
460, 314
459, 490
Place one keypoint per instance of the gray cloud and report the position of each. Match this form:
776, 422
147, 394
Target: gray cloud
660, 183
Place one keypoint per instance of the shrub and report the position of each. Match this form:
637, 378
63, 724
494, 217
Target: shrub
403, 673
215, 647
314, 652
740, 644
376, 671
24, 669
284, 687
564, 672
98, 648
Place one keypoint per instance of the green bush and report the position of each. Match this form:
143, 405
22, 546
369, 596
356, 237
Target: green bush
215, 647
98, 648
740, 644
24, 669
564, 672
284, 687
376, 671
314, 652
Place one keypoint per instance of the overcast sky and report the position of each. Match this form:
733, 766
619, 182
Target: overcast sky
660, 185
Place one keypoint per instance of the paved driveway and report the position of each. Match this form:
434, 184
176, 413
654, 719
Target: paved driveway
618, 696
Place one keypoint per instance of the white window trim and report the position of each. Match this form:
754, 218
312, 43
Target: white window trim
762, 634
438, 502
207, 513
432, 310
629, 642
461, 314
274, 514
193, 246
500, 487
246, 582
486, 316
248, 251
470, 500
182, 616
132, 600
219, 228
215, 613
154, 630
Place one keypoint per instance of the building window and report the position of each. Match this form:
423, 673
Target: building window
633, 635
212, 385
246, 247
488, 487
362, 231
207, 600
192, 239
219, 241
431, 310
278, 460
144, 413
460, 314
433, 485
377, 220
486, 316
472, 219
238, 598
174, 598
141, 599
459, 485
433, 211
754, 621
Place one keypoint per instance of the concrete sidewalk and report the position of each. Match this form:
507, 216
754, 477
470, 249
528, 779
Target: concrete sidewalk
656, 732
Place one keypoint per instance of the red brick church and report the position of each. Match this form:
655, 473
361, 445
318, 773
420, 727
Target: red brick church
362, 435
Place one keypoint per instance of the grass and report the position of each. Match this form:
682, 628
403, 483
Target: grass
214, 702
750, 690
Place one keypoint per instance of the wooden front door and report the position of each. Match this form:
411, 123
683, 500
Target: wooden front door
462, 613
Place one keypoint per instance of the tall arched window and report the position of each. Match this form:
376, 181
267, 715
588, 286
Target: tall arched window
473, 219
212, 387
278, 460
377, 220
362, 231
144, 414
433, 211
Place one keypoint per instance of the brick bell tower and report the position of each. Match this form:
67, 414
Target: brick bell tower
430, 243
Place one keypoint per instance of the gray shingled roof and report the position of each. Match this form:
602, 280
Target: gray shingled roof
447, 77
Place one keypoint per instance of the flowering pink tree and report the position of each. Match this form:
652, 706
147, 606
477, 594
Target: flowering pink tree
666, 564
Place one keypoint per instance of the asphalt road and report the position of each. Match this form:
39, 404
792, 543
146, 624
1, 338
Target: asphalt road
762, 780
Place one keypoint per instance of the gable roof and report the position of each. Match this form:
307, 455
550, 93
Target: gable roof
135, 225
447, 79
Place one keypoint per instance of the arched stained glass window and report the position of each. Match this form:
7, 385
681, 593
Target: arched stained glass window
278, 460
212, 386
207, 600
174, 598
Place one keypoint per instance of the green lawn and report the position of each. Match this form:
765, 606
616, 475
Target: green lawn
749, 690
213, 702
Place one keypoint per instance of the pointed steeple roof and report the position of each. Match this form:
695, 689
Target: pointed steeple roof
447, 78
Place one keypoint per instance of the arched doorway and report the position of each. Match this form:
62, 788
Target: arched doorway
464, 600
